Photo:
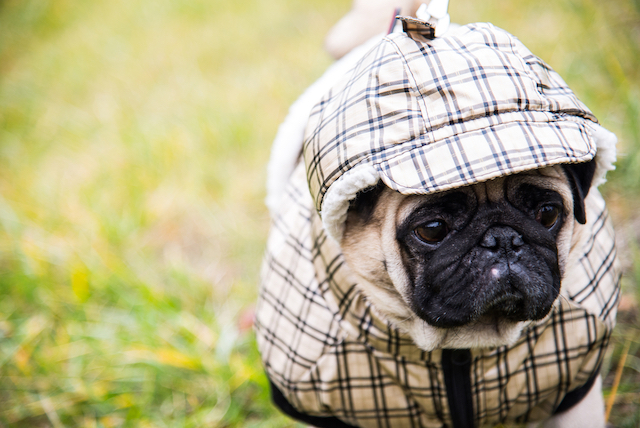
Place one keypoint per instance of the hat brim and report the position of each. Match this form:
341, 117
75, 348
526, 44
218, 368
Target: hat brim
421, 166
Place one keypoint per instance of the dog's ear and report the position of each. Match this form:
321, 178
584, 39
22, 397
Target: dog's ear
365, 202
580, 176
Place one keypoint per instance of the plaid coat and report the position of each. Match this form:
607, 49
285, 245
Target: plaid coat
326, 350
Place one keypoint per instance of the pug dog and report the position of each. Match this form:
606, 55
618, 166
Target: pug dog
468, 267
439, 254
472, 267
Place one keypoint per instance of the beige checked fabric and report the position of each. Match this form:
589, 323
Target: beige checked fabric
426, 116
432, 115
331, 354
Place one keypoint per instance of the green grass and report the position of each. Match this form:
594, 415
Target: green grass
133, 142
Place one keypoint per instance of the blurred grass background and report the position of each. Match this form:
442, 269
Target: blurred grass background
133, 141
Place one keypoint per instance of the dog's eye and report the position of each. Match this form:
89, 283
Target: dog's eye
432, 232
548, 216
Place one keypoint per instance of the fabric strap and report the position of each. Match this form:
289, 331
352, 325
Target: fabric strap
317, 421
456, 367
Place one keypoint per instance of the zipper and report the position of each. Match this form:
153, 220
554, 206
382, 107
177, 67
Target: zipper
456, 367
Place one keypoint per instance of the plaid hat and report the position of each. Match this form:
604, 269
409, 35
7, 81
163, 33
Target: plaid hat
427, 115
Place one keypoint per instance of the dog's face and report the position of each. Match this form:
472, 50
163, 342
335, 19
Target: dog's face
469, 267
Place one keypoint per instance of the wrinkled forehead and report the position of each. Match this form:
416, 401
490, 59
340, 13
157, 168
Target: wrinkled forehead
551, 178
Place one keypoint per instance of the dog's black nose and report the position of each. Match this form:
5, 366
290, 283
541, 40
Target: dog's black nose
502, 237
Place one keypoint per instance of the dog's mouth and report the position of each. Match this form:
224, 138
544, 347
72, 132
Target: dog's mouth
496, 321
502, 291
508, 306
492, 308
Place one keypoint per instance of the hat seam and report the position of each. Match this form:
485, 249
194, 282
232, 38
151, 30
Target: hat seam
429, 128
426, 120
568, 118
488, 175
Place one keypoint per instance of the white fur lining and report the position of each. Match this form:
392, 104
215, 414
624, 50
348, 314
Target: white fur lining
336, 201
606, 154
287, 145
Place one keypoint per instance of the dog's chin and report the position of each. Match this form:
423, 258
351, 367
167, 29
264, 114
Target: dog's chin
483, 333
486, 332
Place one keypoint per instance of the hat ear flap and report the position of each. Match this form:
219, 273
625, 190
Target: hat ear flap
580, 176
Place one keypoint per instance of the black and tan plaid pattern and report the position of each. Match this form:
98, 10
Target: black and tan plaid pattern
432, 115
429, 115
331, 354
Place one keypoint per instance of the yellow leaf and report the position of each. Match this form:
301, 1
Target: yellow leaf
100, 389
22, 357
80, 283
124, 400
241, 370
175, 358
